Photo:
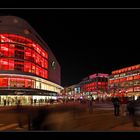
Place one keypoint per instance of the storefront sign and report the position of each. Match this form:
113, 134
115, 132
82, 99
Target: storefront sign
102, 75
92, 76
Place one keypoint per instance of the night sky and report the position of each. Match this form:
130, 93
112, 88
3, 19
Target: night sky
87, 41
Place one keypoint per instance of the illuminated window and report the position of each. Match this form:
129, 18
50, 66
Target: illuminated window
3, 82
4, 64
18, 49
130, 78
28, 54
19, 65
11, 50
27, 66
13, 82
11, 64
137, 77
4, 49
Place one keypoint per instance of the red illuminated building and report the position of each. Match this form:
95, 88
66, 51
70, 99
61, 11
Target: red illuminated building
28, 69
96, 85
125, 82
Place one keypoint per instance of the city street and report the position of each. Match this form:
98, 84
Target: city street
69, 117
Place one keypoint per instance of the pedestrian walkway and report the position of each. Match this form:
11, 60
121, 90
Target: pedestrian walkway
126, 127
13, 127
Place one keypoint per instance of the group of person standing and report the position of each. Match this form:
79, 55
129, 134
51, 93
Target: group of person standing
124, 106
120, 102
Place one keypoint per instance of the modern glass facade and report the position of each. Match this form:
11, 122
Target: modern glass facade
26, 70
21, 54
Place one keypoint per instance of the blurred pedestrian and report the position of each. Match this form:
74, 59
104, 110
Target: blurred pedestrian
39, 120
34, 101
4, 102
130, 107
29, 116
90, 104
8, 102
136, 115
116, 103
123, 103
19, 111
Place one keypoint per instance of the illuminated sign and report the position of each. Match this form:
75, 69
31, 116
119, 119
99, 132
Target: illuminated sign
102, 75
92, 76
99, 75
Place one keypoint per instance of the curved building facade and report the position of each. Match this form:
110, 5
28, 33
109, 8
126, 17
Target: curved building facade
29, 72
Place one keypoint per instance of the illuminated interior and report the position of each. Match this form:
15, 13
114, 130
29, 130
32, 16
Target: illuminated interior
95, 86
21, 54
126, 80
96, 83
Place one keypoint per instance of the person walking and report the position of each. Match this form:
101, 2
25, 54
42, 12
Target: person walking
137, 112
38, 122
116, 103
123, 103
19, 114
91, 104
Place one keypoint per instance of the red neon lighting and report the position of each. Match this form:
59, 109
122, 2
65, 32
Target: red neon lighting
17, 82
24, 55
126, 69
12, 38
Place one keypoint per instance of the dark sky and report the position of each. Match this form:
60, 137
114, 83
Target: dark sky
87, 41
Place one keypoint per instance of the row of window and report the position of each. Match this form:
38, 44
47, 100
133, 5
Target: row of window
97, 79
95, 84
93, 89
126, 69
20, 52
129, 90
17, 82
26, 82
23, 66
124, 79
12, 38
129, 73
125, 84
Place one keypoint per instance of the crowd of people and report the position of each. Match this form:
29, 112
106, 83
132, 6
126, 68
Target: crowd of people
125, 106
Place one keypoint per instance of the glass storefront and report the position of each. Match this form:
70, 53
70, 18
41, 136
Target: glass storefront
11, 100
26, 82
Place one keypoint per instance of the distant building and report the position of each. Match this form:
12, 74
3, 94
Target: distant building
95, 84
71, 92
125, 82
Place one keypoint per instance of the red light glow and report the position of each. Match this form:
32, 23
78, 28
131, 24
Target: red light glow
22, 54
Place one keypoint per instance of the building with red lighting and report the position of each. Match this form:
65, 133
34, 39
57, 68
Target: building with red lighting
125, 82
28, 69
95, 84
